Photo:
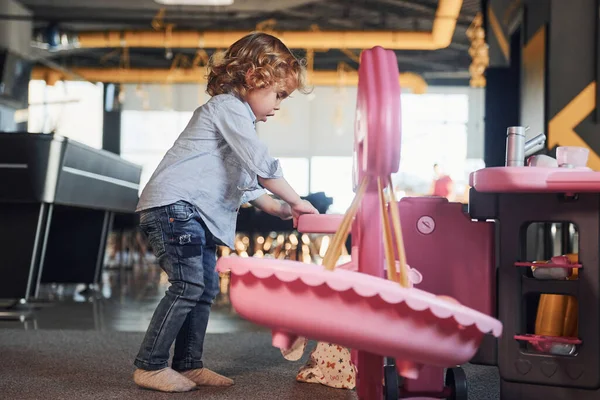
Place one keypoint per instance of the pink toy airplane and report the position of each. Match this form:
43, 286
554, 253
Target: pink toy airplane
361, 309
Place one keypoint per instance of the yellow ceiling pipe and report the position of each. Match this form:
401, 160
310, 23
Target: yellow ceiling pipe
408, 80
440, 37
197, 75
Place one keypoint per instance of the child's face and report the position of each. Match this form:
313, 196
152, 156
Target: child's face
264, 102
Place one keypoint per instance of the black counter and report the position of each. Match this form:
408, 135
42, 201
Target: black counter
57, 201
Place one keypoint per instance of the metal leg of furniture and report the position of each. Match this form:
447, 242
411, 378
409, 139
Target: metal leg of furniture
23, 238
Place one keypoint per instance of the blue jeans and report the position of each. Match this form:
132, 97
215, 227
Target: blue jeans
186, 251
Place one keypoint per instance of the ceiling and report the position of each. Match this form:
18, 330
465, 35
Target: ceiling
444, 66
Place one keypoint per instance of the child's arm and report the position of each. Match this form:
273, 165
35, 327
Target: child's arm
233, 122
271, 206
281, 188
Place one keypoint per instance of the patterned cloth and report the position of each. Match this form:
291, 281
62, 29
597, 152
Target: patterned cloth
329, 365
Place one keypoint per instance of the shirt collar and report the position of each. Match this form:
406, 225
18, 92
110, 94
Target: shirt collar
252, 116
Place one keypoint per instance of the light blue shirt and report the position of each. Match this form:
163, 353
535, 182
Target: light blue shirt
214, 164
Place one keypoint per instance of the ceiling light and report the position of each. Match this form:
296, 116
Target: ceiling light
196, 2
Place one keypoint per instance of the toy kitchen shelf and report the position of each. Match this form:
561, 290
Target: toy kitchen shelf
541, 366
548, 285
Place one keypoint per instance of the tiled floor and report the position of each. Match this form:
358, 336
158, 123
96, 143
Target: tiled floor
124, 301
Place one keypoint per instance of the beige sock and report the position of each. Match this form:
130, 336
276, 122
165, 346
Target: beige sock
164, 380
206, 377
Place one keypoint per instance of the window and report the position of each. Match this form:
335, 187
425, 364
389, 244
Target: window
333, 176
295, 170
147, 135
434, 130
71, 109
151, 131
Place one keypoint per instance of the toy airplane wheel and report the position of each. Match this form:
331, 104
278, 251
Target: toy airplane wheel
456, 379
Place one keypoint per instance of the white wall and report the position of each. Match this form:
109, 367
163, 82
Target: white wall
72, 109
318, 124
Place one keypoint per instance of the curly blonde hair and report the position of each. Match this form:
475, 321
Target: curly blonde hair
256, 61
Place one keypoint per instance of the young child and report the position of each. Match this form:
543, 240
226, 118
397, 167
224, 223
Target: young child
190, 204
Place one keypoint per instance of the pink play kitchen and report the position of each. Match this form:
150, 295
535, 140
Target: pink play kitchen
484, 296
548, 301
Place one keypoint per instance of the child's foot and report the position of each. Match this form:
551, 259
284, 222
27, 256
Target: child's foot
164, 380
206, 377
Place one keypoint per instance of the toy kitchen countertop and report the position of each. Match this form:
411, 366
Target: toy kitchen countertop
565, 174
535, 180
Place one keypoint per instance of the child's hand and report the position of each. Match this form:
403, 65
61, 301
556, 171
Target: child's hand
304, 207
285, 211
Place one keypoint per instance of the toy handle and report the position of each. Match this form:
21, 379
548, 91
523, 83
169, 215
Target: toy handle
403, 279
334, 251
387, 235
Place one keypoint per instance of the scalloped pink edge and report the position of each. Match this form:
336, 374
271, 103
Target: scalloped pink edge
362, 284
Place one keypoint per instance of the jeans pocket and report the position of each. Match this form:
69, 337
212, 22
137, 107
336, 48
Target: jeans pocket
153, 231
181, 211
187, 233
